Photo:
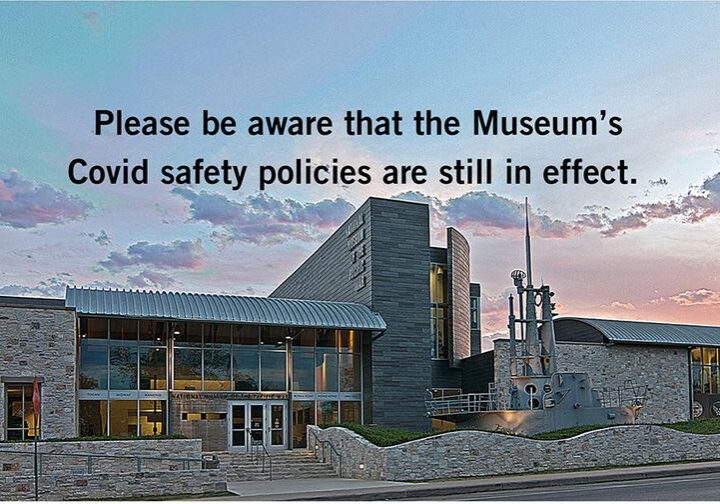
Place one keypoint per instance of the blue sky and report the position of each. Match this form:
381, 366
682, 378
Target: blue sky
649, 252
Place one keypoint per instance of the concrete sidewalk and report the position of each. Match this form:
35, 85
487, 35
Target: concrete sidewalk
348, 489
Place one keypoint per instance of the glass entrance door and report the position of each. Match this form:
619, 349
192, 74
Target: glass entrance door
257, 422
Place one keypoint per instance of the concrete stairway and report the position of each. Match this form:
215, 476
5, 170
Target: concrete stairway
295, 464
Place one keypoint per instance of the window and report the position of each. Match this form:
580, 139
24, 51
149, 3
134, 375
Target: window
439, 332
123, 418
303, 414
350, 411
134, 357
303, 369
93, 364
327, 412
438, 312
152, 418
349, 367
153, 368
93, 418
705, 375
326, 371
246, 358
20, 416
246, 365
438, 283
272, 371
188, 369
475, 313
217, 370
124, 367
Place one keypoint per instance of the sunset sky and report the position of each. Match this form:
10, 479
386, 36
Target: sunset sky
647, 251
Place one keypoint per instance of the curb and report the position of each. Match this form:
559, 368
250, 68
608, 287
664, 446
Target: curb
538, 482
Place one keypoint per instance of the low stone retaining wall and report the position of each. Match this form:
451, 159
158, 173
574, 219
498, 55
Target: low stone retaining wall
114, 486
53, 464
475, 453
64, 476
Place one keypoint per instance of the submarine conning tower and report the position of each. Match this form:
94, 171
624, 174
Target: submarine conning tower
540, 397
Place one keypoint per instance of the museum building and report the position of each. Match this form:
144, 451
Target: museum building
374, 322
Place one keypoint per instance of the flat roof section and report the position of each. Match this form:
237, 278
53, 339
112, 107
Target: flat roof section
221, 308
31, 302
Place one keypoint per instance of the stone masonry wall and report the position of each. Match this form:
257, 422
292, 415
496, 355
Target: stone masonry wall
19, 464
663, 369
41, 340
476, 453
115, 486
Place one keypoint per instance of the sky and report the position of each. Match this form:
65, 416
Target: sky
646, 251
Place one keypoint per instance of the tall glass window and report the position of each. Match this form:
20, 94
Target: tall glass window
705, 374
438, 311
152, 418
303, 414
217, 356
475, 313
93, 418
123, 367
153, 368
246, 357
20, 415
303, 370
187, 366
93, 364
272, 369
123, 418
327, 412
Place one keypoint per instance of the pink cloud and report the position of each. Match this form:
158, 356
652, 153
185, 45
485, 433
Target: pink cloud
262, 219
176, 255
26, 204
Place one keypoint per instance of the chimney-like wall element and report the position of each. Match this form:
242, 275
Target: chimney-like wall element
458, 255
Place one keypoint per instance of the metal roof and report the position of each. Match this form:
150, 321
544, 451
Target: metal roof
652, 333
221, 308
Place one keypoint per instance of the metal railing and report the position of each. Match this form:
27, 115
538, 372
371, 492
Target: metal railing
259, 456
459, 404
629, 394
322, 444
89, 466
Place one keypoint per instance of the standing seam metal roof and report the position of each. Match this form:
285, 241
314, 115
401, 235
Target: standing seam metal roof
221, 308
653, 333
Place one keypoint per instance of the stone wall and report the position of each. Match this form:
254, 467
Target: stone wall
115, 486
663, 369
39, 340
56, 459
476, 453
65, 474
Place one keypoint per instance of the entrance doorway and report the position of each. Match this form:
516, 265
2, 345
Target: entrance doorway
257, 422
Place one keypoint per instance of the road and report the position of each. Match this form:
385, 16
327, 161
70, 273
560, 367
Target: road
700, 487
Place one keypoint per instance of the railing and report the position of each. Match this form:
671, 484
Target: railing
89, 457
459, 404
630, 394
322, 444
261, 455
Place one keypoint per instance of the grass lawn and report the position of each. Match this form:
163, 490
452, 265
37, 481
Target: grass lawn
385, 436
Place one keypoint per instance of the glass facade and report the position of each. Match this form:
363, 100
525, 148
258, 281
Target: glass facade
123, 373
127, 368
438, 311
705, 381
